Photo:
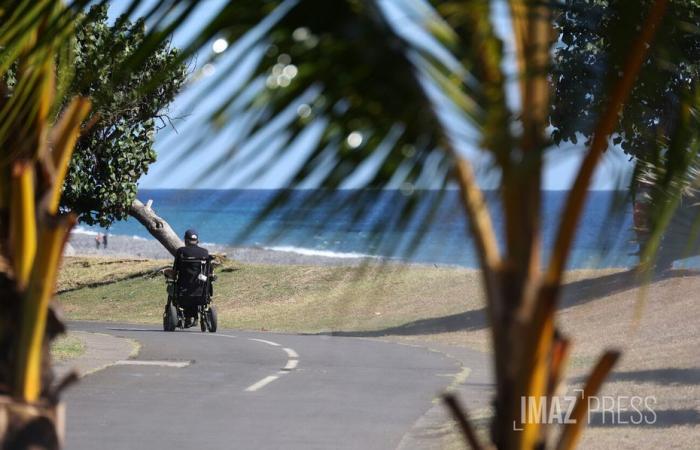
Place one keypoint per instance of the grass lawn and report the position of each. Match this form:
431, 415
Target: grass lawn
279, 298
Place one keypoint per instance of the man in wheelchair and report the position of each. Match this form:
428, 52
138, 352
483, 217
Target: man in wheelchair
192, 287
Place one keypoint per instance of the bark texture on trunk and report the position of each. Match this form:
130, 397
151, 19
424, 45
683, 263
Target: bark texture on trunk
156, 225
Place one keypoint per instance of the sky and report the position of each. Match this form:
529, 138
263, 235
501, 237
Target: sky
231, 159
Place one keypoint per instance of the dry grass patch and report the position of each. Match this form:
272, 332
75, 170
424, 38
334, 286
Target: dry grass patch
377, 299
84, 271
67, 347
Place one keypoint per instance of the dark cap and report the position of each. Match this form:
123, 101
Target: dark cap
191, 235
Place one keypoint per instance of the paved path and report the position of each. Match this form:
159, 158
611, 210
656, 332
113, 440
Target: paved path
243, 390
101, 350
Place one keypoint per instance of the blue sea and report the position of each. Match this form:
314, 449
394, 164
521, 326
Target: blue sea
423, 226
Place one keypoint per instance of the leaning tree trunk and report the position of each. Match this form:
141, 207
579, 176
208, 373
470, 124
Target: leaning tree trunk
156, 225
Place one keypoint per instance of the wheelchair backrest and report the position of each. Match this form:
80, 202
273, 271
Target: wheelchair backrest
193, 275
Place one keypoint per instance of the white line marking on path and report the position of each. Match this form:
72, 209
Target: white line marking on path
274, 344
219, 335
136, 362
291, 353
291, 364
261, 384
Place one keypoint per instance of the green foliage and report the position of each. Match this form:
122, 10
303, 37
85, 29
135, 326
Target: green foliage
591, 32
658, 126
117, 149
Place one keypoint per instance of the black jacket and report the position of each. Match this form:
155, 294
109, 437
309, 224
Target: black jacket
187, 274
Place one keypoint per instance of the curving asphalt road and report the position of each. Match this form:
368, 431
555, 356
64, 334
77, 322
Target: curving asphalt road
245, 390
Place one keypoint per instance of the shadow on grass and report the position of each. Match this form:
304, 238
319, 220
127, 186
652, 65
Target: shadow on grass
642, 418
574, 293
668, 376
466, 321
584, 291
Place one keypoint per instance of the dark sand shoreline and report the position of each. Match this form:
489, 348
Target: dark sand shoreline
120, 246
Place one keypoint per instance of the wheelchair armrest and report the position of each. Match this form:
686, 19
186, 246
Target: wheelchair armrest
170, 273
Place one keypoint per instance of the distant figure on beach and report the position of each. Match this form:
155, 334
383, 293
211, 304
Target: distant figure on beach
104, 241
97, 241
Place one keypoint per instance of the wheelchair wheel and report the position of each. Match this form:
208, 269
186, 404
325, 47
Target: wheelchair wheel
203, 320
211, 319
170, 317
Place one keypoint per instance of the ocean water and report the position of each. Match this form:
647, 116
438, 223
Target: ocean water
425, 227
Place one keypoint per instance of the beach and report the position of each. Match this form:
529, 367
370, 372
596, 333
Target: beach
82, 243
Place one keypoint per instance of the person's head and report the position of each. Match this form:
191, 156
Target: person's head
191, 237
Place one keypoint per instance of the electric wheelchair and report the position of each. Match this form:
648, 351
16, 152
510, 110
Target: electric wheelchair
189, 295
